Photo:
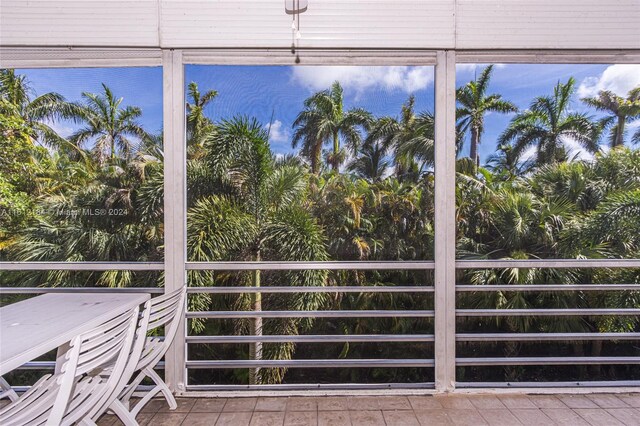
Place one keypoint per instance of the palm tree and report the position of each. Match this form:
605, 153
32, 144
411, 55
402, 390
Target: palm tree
324, 120
257, 215
109, 126
197, 123
619, 112
548, 124
38, 112
474, 104
371, 164
411, 138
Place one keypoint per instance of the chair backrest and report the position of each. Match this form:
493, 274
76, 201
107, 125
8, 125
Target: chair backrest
134, 357
107, 344
166, 310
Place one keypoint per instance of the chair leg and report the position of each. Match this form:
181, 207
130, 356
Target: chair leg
7, 392
163, 388
125, 416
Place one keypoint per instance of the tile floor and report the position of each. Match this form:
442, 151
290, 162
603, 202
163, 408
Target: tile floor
473, 410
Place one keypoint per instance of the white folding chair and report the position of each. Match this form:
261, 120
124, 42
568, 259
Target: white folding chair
167, 311
69, 396
6, 391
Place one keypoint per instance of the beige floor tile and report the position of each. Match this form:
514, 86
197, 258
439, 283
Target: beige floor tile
577, 401
400, 418
367, 418
153, 406
455, 401
144, 419
516, 401
184, 406
240, 404
234, 419
631, 399
201, 419
168, 419
271, 404
334, 418
106, 420
394, 403
465, 417
546, 401
333, 403
487, 401
424, 402
628, 416
604, 400
267, 418
208, 405
301, 418
532, 417
597, 417
564, 417
363, 403
433, 417
302, 404
499, 417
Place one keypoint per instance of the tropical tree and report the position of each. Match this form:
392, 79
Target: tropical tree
410, 138
324, 120
619, 110
548, 124
257, 215
198, 125
112, 128
371, 164
475, 103
38, 112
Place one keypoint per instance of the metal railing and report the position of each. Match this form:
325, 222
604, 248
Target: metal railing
383, 338
552, 360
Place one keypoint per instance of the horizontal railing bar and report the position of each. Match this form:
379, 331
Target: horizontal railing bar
516, 337
586, 384
548, 263
543, 312
48, 365
81, 266
570, 360
312, 363
313, 338
43, 290
311, 386
310, 314
305, 266
549, 287
314, 289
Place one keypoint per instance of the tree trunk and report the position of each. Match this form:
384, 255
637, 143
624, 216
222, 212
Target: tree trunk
473, 151
619, 133
315, 157
255, 349
336, 150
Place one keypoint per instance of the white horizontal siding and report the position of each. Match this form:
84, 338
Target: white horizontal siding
78, 23
346, 24
548, 24
327, 23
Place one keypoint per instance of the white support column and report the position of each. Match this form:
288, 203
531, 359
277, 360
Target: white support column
175, 202
445, 226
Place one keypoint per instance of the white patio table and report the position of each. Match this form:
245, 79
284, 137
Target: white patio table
35, 326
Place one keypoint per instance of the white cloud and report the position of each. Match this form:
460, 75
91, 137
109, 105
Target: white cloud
473, 67
618, 79
360, 78
575, 151
278, 133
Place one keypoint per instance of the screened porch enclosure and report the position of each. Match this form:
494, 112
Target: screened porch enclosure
373, 260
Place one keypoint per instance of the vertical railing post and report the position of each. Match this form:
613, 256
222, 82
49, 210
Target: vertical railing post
174, 203
445, 226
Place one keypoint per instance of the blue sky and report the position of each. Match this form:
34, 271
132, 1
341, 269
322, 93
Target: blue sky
278, 92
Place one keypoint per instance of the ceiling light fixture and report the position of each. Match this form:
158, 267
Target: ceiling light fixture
295, 8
